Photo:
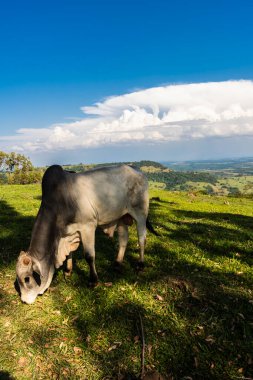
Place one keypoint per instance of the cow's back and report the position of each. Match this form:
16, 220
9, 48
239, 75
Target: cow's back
116, 181
114, 190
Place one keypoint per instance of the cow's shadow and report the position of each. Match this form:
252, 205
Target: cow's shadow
15, 233
4, 375
208, 298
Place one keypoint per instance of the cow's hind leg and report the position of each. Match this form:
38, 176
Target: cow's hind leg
88, 240
123, 240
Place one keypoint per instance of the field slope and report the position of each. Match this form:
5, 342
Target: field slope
194, 299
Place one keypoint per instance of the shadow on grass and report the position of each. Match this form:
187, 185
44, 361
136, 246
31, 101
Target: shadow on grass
203, 328
200, 327
233, 239
202, 335
15, 233
214, 303
5, 376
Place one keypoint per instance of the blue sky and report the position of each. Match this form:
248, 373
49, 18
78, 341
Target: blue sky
59, 56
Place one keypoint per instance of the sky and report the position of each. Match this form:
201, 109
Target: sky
123, 80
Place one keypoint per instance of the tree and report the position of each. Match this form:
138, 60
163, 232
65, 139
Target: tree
2, 160
16, 161
17, 168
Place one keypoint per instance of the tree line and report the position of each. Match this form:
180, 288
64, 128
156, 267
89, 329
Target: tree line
15, 168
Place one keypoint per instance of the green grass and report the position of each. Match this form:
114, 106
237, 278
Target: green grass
194, 298
225, 185
244, 184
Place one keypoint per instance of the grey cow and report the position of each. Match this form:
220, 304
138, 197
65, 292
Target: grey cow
73, 206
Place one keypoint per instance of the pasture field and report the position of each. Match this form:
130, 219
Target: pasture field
192, 305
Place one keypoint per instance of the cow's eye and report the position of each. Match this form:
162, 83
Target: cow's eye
27, 280
36, 277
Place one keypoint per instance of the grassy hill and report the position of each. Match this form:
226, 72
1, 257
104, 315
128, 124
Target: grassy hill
233, 176
79, 168
194, 299
207, 177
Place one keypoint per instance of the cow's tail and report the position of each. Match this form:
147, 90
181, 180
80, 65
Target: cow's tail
151, 228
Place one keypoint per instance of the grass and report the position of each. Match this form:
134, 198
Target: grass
244, 184
194, 298
225, 185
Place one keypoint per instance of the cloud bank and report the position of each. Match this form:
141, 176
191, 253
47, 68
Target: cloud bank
151, 116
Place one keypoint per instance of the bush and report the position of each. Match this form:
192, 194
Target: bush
25, 177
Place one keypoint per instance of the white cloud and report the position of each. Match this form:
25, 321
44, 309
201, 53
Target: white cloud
155, 115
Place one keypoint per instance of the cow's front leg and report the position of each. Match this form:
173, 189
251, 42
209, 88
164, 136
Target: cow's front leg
88, 240
69, 266
123, 240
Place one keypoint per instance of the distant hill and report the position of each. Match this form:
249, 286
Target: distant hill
220, 177
139, 164
79, 168
243, 166
233, 176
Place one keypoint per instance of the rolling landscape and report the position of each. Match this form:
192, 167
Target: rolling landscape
224, 177
188, 315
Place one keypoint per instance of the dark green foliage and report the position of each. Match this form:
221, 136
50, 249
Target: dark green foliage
137, 164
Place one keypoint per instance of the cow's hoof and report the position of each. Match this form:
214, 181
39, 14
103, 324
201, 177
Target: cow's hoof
92, 284
67, 274
140, 266
118, 267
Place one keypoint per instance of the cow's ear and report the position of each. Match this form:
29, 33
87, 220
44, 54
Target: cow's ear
73, 246
25, 259
22, 254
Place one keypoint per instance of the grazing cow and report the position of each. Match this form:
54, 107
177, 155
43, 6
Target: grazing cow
73, 206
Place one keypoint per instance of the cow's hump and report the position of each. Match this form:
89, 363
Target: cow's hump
51, 179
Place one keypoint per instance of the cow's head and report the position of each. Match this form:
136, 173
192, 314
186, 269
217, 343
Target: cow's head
29, 277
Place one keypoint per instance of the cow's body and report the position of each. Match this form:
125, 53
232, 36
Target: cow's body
73, 206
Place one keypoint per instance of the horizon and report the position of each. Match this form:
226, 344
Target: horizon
226, 159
